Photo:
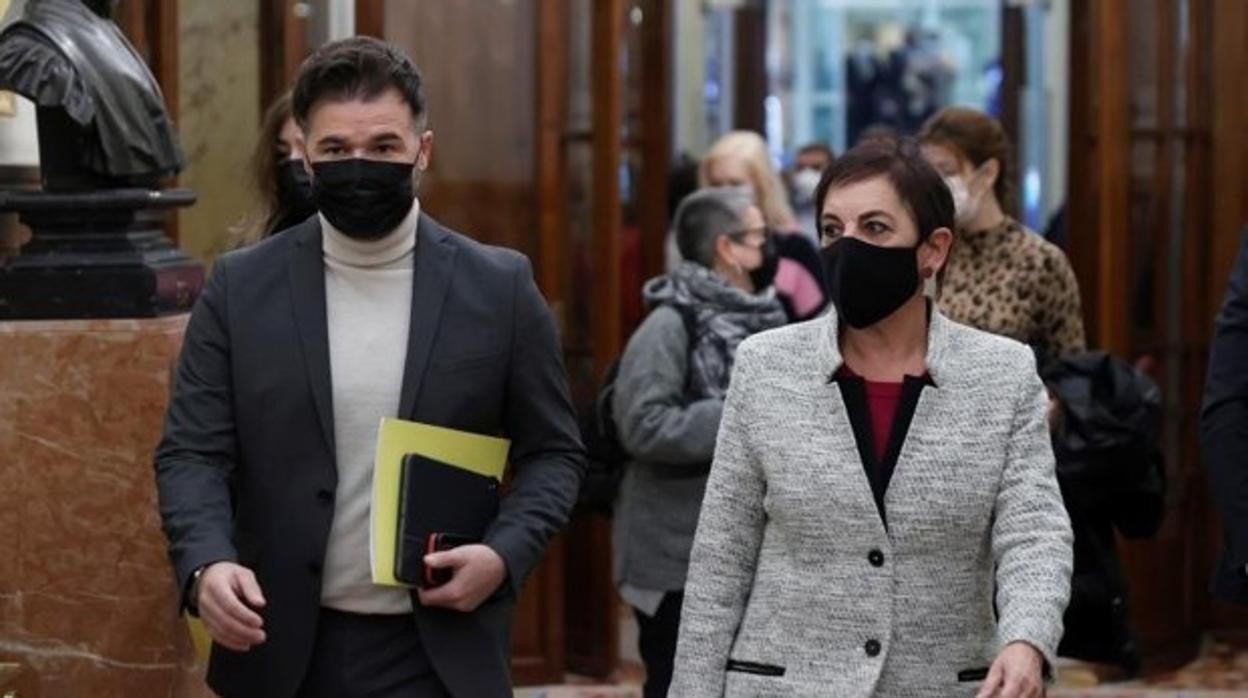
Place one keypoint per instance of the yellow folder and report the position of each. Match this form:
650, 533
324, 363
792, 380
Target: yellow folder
484, 455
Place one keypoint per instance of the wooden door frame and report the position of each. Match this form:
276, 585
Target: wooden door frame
152, 27
1100, 202
1214, 136
550, 266
656, 132
1228, 37
370, 18
750, 66
283, 45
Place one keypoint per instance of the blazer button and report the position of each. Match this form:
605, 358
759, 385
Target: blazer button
326, 496
315, 568
872, 648
876, 558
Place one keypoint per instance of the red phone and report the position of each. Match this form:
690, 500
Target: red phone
435, 577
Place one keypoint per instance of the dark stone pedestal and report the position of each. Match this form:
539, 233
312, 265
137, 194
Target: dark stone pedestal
97, 254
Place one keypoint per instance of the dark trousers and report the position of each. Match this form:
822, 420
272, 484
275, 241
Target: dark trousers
657, 643
360, 656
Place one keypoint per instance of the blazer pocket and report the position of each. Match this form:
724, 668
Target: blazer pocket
755, 668
972, 675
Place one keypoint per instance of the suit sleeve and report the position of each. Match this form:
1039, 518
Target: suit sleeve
655, 423
1224, 417
1031, 535
197, 452
725, 548
547, 458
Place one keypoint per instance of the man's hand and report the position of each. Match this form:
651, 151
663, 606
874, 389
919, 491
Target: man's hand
478, 571
1015, 674
224, 594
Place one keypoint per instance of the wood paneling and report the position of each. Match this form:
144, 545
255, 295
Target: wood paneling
1112, 153
750, 66
537, 636
1228, 213
490, 93
1158, 183
656, 132
1014, 74
283, 46
608, 101
370, 18
552, 100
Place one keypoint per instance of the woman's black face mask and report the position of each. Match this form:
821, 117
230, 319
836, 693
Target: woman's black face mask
868, 283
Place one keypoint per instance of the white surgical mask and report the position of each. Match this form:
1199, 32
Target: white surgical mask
805, 182
964, 206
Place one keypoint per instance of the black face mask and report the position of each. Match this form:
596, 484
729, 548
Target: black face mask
294, 194
866, 282
765, 275
365, 199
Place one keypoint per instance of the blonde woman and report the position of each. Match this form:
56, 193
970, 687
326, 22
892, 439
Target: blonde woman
740, 159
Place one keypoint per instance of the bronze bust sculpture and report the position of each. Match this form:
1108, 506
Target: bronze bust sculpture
94, 93
105, 144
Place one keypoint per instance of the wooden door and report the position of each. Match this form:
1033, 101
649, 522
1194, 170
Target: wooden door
1228, 214
1157, 139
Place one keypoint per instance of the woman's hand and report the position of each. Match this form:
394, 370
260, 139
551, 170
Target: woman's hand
1015, 674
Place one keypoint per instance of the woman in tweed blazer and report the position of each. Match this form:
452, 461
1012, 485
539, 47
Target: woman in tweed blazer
883, 479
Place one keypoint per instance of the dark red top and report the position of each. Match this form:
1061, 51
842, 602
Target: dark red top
883, 399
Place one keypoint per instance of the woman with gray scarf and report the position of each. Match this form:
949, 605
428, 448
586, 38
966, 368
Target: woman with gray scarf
668, 397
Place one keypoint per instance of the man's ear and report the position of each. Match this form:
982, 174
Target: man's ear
425, 151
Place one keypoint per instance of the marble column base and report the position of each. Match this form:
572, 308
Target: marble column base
87, 597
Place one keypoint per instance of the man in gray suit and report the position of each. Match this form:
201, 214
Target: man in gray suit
296, 350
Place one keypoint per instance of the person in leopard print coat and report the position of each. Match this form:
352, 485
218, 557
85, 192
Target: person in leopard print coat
1001, 277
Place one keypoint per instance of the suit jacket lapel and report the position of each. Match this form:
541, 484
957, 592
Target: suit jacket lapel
435, 263
307, 281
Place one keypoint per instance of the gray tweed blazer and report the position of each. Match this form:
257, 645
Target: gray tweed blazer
797, 588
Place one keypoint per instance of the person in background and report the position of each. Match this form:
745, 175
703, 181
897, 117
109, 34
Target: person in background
279, 177
1224, 431
1001, 277
812, 159
882, 516
668, 396
740, 159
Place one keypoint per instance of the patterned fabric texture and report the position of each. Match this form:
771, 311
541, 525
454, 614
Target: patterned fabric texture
1009, 281
796, 587
725, 315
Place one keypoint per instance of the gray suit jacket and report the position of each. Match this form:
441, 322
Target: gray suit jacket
796, 586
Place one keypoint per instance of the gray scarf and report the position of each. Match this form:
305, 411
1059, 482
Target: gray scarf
720, 315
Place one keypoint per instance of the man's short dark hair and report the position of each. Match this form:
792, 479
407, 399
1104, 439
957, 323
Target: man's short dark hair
919, 186
357, 68
820, 147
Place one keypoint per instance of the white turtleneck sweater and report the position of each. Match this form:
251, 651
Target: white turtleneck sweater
368, 299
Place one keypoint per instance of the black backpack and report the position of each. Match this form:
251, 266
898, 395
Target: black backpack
606, 456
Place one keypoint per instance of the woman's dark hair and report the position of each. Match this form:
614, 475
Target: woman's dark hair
357, 68
264, 161
919, 186
977, 138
